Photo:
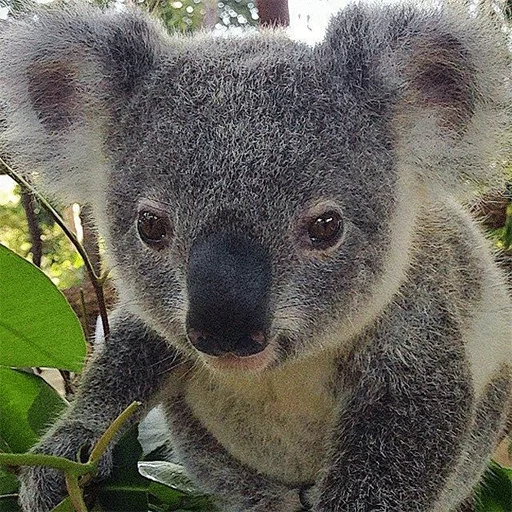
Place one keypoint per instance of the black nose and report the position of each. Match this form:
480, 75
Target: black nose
228, 285
215, 346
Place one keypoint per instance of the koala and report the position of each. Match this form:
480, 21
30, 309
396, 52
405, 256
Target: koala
301, 286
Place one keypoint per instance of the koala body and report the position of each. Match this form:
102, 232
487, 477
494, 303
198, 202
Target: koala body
323, 322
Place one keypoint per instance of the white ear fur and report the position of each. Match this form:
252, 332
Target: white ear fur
66, 73
453, 117
444, 72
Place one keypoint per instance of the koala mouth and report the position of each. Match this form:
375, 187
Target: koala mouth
234, 363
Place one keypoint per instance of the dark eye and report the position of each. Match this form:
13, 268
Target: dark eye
325, 230
153, 229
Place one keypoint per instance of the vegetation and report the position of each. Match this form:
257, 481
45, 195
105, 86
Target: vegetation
40, 329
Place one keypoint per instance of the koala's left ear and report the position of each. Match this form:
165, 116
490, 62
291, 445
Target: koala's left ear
66, 73
443, 74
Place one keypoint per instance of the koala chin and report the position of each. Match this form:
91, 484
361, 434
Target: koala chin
301, 286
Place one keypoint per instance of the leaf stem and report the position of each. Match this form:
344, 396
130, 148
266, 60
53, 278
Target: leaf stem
75, 493
37, 459
108, 435
8, 496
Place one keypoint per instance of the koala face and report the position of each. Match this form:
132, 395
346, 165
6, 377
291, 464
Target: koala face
258, 197
244, 222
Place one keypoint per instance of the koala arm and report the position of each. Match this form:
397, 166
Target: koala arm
132, 365
403, 426
238, 487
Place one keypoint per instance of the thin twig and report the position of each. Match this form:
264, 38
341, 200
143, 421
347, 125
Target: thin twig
8, 496
51, 461
83, 308
75, 493
34, 229
97, 281
108, 435
101, 445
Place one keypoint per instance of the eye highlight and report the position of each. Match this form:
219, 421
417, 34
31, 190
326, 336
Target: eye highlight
154, 229
325, 230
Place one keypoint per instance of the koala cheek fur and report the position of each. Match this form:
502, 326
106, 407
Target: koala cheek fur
300, 285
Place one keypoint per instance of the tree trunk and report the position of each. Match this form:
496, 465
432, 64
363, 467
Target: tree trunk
273, 13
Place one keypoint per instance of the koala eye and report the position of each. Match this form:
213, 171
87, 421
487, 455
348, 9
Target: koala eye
154, 229
325, 230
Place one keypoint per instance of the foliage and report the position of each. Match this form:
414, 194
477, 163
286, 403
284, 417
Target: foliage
494, 494
52, 336
190, 15
180, 15
31, 328
60, 261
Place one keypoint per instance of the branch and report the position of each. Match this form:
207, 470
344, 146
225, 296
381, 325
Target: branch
75, 493
273, 13
50, 461
34, 229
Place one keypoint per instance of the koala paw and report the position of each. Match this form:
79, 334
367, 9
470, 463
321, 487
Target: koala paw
43, 488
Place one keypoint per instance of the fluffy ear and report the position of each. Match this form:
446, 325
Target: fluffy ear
445, 75
66, 74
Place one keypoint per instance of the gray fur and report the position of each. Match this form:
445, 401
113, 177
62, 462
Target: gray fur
390, 352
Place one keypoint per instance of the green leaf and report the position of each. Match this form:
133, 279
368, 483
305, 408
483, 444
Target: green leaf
126, 455
28, 405
125, 489
3, 446
8, 492
37, 325
494, 494
9, 504
116, 498
165, 494
168, 473
47, 405
171, 485
8, 483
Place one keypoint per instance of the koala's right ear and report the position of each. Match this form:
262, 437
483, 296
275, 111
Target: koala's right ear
66, 74
445, 75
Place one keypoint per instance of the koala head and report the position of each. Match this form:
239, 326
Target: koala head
258, 196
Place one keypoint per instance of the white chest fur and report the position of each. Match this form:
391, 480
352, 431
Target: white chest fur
276, 423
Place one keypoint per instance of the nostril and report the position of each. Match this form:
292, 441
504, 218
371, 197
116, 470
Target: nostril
198, 337
205, 342
258, 338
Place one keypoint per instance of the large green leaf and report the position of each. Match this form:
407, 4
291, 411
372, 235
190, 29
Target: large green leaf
494, 493
37, 325
8, 483
125, 489
9, 504
27, 407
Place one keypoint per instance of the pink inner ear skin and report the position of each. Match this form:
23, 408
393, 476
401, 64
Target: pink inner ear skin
53, 94
443, 76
